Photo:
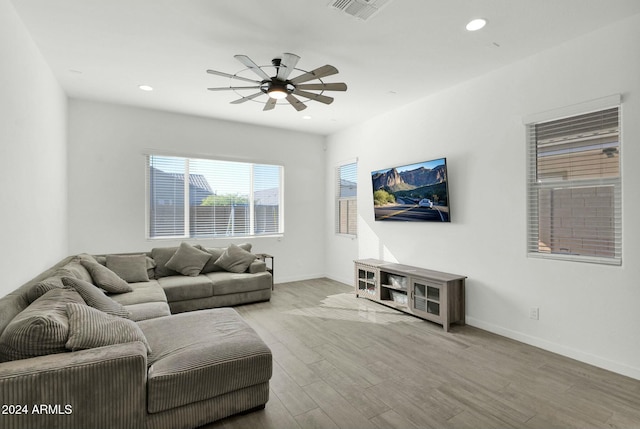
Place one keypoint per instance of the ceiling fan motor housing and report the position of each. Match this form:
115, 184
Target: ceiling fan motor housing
276, 88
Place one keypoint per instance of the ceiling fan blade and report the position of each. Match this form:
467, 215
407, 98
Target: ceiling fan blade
318, 73
287, 64
232, 76
253, 66
247, 98
317, 97
324, 86
233, 87
271, 104
297, 104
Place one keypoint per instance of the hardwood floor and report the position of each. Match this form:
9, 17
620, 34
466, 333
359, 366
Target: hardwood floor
346, 362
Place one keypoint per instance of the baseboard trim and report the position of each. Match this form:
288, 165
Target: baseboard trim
569, 352
289, 279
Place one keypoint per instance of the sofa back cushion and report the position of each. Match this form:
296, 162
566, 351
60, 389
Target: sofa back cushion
75, 269
161, 256
40, 329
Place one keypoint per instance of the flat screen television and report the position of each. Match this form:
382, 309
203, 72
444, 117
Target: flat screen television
412, 193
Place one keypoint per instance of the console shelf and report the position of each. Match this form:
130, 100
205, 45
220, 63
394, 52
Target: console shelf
430, 295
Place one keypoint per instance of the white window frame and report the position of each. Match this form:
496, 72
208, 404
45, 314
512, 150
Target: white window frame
186, 199
535, 184
350, 202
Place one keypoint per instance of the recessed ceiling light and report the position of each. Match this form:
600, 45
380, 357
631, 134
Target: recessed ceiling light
476, 24
146, 88
306, 117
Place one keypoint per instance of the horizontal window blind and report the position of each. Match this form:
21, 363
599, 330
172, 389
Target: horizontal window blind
218, 198
165, 176
346, 198
574, 188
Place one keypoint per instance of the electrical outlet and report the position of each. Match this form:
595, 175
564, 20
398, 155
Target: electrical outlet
534, 313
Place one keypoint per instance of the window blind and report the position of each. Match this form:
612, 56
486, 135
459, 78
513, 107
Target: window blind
166, 196
574, 188
217, 199
346, 198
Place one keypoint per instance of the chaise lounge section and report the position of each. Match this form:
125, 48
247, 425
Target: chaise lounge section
151, 369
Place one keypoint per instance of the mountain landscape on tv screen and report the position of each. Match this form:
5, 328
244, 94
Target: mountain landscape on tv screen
408, 180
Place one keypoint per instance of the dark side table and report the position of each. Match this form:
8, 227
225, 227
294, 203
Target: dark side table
264, 257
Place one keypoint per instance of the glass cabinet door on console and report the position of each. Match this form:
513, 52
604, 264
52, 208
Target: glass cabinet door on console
366, 281
424, 299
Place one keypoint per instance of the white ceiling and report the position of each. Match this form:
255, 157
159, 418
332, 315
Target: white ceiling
104, 49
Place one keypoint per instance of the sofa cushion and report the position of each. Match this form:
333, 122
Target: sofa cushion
202, 354
161, 256
179, 288
105, 278
215, 253
225, 283
95, 297
91, 328
130, 268
188, 260
40, 329
147, 310
235, 259
141, 292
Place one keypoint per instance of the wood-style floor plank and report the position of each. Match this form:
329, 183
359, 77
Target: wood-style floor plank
346, 362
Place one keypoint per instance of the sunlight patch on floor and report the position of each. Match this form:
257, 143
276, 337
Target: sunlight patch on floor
345, 306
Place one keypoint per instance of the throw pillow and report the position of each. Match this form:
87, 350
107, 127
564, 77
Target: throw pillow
40, 329
130, 268
215, 253
235, 259
90, 328
188, 260
42, 287
105, 278
151, 265
95, 297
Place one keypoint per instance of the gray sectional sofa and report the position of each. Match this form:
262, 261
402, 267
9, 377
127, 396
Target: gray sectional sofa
134, 341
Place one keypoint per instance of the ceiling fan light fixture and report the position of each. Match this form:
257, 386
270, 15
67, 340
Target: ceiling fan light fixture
476, 24
277, 93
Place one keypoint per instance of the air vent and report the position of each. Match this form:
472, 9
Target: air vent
360, 9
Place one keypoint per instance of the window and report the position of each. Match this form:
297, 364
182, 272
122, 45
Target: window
219, 199
574, 187
346, 199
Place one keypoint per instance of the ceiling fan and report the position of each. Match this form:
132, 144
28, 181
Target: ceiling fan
279, 86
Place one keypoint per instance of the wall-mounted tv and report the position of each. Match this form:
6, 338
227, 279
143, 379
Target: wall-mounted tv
412, 193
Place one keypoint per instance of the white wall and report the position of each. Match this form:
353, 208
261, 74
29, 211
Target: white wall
589, 312
107, 179
33, 120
